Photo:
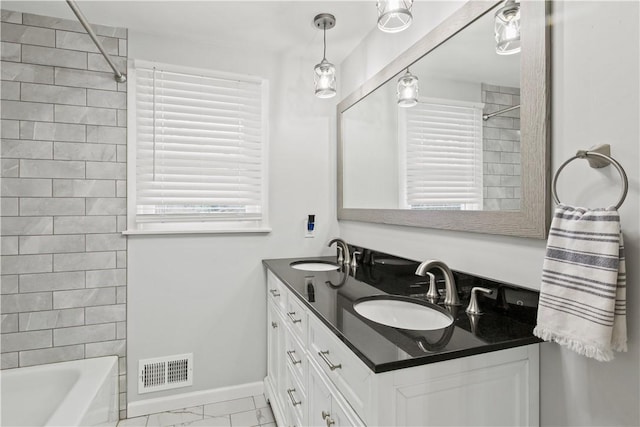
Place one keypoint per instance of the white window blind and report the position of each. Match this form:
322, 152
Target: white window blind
200, 148
443, 168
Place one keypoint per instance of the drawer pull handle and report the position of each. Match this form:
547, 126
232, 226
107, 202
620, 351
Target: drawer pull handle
329, 422
274, 325
323, 355
293, 400
325, 415
293, 359
293, 319
274, 292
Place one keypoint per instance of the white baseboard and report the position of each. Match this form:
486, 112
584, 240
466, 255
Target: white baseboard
185, 400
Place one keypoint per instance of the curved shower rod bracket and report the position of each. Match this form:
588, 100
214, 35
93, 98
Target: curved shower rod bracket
119, 76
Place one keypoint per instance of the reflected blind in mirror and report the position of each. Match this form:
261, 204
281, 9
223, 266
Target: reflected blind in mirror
200, 146
443, 167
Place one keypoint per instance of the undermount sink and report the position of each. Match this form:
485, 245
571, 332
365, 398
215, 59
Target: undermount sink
314, 265
403, 313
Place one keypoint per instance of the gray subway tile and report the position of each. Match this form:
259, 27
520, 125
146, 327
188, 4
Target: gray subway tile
9, 91
84, 261
499, 122
10, 51
121, 294
51, 244
498, 98
9, 245
106, 170
9, 360
84, 115
106, 242
107, 348
106, 278
84, 298
122, 118
96, 62
106, 99
121, 153
20, 110
122, 47
19, 303
121, 259
121, 330
45, 206
51, 56
491, 157
50, 319
30, 226
84, 334
8, 206
513, 158
26, 187
71, 25
122, 223
9, 284
83, 188
21, 264
22, 149
9, 323
86, 79
121, 188
27, 35
10, 129
510, 134
106, 135
11, 16
52, 281
84, 224
10, 168
510, 181
53, 94
51, 355
52, 169
84, 151
19, 341
82, 42
106, 314
19, 72
47, 131
509, 204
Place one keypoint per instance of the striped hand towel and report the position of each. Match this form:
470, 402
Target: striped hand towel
583, 291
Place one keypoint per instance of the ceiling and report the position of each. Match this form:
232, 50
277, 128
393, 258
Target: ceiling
277, 26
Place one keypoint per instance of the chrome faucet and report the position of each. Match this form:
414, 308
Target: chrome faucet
341, 244
451, 297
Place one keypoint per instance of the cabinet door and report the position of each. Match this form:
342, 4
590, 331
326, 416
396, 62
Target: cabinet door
319, 398
275, 357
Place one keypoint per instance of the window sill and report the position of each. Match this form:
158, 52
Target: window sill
262, 230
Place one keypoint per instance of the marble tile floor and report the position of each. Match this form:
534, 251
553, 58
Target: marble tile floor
244, 412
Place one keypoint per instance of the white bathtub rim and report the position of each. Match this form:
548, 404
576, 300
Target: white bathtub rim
196, 398
84, 392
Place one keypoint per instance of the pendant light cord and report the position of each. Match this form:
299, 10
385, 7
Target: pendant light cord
324, 41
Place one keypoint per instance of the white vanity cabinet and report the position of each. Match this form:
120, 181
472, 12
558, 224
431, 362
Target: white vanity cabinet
314, 379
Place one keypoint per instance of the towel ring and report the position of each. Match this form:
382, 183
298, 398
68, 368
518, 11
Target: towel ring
603, 160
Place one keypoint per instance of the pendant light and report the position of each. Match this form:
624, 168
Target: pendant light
325, 72
507, 28
394, 15
407, 90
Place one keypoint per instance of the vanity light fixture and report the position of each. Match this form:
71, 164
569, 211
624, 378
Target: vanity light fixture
507, 28
407, 90
325, 72
394, 15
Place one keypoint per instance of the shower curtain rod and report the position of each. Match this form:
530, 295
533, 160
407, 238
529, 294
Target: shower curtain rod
120, 77
497, 113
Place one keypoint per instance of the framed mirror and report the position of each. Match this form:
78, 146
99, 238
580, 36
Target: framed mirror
470, 151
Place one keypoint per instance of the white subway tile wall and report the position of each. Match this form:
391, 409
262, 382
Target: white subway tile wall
501, 149
63, 193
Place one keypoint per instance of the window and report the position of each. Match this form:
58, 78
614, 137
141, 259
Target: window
197, 150
442, 142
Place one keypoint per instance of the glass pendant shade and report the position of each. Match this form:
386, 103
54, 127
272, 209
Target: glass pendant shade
325, 79
394, 15
407, 90
507, 29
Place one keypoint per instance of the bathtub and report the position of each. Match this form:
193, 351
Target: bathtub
77, 393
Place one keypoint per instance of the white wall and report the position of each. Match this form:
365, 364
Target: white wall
206, 293
595, 97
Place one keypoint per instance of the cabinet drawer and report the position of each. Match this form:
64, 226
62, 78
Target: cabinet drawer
295, 400
295, 358
343, 368
296, 317
276, 291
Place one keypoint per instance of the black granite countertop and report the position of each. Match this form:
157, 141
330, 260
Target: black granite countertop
508, 320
